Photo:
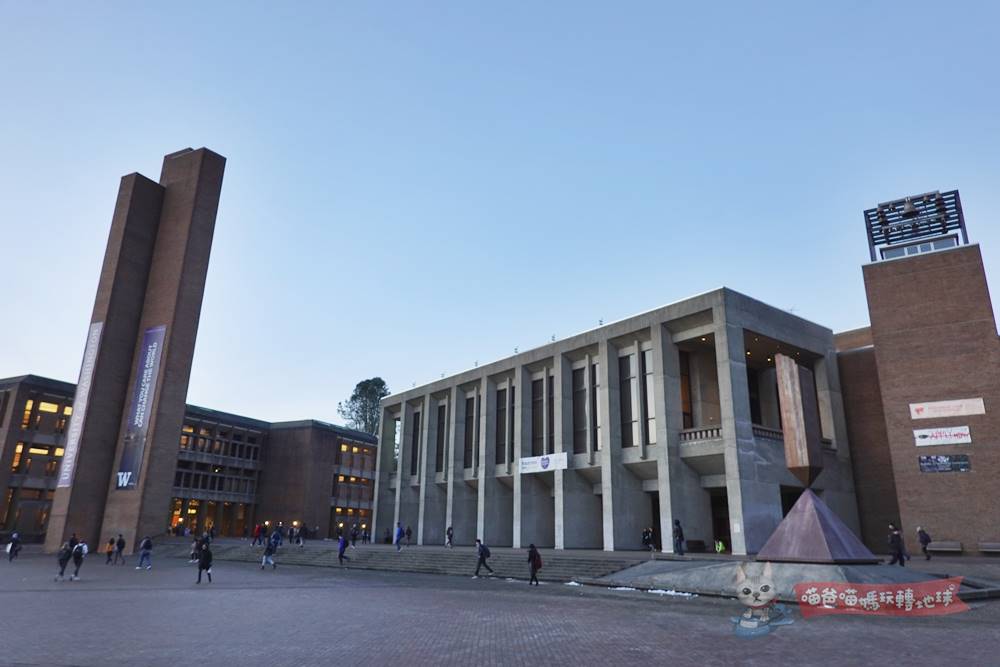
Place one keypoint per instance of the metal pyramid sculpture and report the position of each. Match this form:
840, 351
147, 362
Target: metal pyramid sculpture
812, 533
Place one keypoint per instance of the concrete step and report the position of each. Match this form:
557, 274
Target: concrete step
513, 564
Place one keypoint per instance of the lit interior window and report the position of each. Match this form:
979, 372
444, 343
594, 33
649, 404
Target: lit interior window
59, 451
339, 510
350, 511
42, 451
354, 479
19, 448
68, 410
340, 478
355, 450
343, 448
45, 406
188, 429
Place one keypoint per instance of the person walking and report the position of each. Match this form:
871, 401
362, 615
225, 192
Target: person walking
341, 548
120, 549
269, 549
409, 533
73, 541
896, 546
354, 536
80, 552
399, 536
110, 550
925, 540
195, 546
63, 556
449, 537
647, 540
483, 552
678, 538
145, 553
534, 563
14, 546
205, 562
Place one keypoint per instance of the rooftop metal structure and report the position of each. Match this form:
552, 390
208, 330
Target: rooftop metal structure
914, 218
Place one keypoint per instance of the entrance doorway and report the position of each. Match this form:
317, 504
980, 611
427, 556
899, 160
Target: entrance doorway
654, 498
789, 496
720, 518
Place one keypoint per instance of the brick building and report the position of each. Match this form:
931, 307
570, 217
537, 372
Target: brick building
230, 471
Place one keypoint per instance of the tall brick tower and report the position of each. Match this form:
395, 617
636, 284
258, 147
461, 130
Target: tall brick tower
123, 437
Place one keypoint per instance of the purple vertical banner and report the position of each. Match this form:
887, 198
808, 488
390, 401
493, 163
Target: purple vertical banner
139, 410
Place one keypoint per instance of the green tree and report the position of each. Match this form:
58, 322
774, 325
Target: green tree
362, 409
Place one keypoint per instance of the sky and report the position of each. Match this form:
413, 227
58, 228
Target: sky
415, 187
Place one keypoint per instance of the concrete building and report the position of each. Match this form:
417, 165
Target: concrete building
583, 443
229, 472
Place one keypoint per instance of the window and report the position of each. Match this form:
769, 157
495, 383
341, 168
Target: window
626, 379
343, 448
354, 450
26, 419
68, 410
441, 433
916, 248
501, 426
16, 463
44, 406
595, 414
470, 428
579, 410
686, 414
537, 417
395, 444
415, 444
510, 427
551, 417
649, 396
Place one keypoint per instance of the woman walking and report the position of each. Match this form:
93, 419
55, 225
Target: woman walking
65, 553
535, 563
205, 563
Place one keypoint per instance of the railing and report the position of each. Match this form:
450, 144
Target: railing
768, 433
703, 433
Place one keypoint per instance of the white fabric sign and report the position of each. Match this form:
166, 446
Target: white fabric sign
80, 405
946, 435
544, 463
958, 408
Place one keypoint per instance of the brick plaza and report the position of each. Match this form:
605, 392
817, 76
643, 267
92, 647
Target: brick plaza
307, 616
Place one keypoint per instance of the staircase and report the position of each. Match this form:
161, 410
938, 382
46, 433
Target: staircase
461, 561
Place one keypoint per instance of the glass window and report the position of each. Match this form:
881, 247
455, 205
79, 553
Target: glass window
44, 406
537, 417
595, 414
415, 444
579, 411
26, 419
650, 396
501, 426
626, 382
470, 428
687, 416
442, 432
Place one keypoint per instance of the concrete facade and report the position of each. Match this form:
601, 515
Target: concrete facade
667, 415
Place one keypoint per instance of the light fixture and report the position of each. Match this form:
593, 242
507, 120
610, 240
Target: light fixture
703, 339
748, 353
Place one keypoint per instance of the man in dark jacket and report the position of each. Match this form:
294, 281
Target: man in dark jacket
483, 552
205, 562
65, 553
678, 538
269, 548
341, 548
120, 549
14, 547
145, 553
79, 553
896, 546
534, 564
925, 539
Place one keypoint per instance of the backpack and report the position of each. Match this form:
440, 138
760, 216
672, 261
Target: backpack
80, 550
538, 561
486, 551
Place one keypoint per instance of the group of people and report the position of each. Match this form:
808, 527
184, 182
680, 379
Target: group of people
649, 539
201, 554
897, 546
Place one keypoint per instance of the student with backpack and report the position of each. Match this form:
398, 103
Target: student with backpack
534, 563
110, 550
483, 552
80, 552
270, 547
341, 548
120, 549
145, 553
205, 562
13, 547
65, 553
449, 537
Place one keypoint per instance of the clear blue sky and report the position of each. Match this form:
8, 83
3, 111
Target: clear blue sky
412, 187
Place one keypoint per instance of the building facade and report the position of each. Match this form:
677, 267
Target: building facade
585, 442
230, 472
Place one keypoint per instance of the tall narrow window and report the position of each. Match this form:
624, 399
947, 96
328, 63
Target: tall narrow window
510, 427
537, 417
415, 444
470, 431
26, 418
479, 416
579, 410
501, 426
550, 418
595, 414
649, 396
395, 444
626, 377
441, 433
687, 415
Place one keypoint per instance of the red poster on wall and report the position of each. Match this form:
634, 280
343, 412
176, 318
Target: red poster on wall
925, 598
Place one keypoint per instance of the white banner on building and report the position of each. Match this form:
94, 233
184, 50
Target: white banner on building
958, 408
80, 405
544, 463
946, 435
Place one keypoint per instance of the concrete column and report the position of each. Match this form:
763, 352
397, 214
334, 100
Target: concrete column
433, 497
461, 499
626, 508
384, 498
767, 392
754, 507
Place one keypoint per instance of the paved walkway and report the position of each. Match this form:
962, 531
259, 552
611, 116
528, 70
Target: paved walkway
308, 616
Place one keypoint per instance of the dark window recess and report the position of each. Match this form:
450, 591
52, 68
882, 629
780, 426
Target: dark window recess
470, 431
687, 415
415, 443
537, 417
625, 374
501, 426
579, 411
441, 433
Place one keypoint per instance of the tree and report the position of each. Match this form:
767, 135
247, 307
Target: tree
362, 409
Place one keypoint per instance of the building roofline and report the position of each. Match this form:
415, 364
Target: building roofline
325, 426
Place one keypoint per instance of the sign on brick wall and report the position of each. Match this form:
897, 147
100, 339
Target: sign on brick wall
945, 463
956, 408
945, 435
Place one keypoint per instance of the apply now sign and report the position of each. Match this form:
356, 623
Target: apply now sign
543, 463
